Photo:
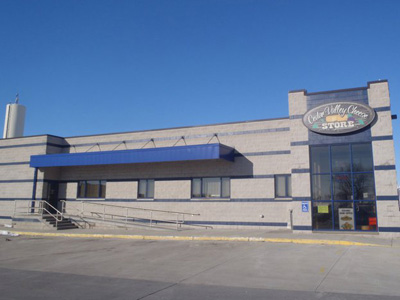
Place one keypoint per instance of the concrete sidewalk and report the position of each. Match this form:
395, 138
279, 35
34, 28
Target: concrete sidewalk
234, 235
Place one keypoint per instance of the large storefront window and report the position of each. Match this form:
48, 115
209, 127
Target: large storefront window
343, 187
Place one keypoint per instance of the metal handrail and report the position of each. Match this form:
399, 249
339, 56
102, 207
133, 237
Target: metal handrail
136, 208
34, 208
47, 203
127, 216
99, 214
102, 215
76, 216
31, 209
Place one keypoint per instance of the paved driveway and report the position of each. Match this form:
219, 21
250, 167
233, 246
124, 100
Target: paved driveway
68, 268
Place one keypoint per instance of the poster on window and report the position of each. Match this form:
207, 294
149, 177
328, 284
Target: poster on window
346, 219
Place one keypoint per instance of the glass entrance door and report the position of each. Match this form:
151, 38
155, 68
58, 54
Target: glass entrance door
343, 187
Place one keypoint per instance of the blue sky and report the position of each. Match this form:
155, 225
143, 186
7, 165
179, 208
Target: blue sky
88, 67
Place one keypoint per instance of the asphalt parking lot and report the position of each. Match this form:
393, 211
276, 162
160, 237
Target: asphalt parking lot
89, 268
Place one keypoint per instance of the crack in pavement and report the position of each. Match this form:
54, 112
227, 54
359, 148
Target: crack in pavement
330, 269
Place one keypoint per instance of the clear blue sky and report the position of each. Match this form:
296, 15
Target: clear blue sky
87, 67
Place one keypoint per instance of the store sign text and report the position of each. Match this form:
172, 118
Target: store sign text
339, 118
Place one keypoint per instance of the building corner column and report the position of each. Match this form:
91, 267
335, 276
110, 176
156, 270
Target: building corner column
300, 173
384, 158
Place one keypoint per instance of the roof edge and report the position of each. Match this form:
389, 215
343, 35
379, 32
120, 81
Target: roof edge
33, 136
179, 127
338, 91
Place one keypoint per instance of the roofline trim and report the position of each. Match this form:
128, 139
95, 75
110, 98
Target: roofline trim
337, 91
33, 136
340, 90
174, 128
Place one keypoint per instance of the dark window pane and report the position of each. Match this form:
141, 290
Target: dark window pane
92, 189
212, 187
362, 158
321, 187
142, 189
340, 159
322, 215
150, 188
320, 160
226, 187
103, 189
344, 215
81, 189
280, 186
289, 186
196, 188
342, 188
364, 186
146, 188
366, 215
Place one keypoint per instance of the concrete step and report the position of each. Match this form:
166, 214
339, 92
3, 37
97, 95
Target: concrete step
64, 224
67, 226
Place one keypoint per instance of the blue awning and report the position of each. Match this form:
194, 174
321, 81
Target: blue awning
152, 155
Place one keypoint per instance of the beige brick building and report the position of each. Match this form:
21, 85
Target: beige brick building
274, 173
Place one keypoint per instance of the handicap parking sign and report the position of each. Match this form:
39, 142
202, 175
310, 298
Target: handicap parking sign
304, 206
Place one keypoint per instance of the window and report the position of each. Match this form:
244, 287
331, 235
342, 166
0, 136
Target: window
283, 186
343, 187
211, 187
321, 187
320, 160
92, 189
146, 188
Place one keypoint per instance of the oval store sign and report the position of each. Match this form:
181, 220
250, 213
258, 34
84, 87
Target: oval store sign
339, 117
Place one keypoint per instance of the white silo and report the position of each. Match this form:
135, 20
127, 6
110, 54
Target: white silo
15, 120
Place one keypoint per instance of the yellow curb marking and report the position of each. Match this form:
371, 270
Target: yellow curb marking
198, 238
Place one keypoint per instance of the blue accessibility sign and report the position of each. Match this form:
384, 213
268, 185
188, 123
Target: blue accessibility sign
304, 206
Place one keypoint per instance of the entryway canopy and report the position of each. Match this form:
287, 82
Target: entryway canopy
149, 155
